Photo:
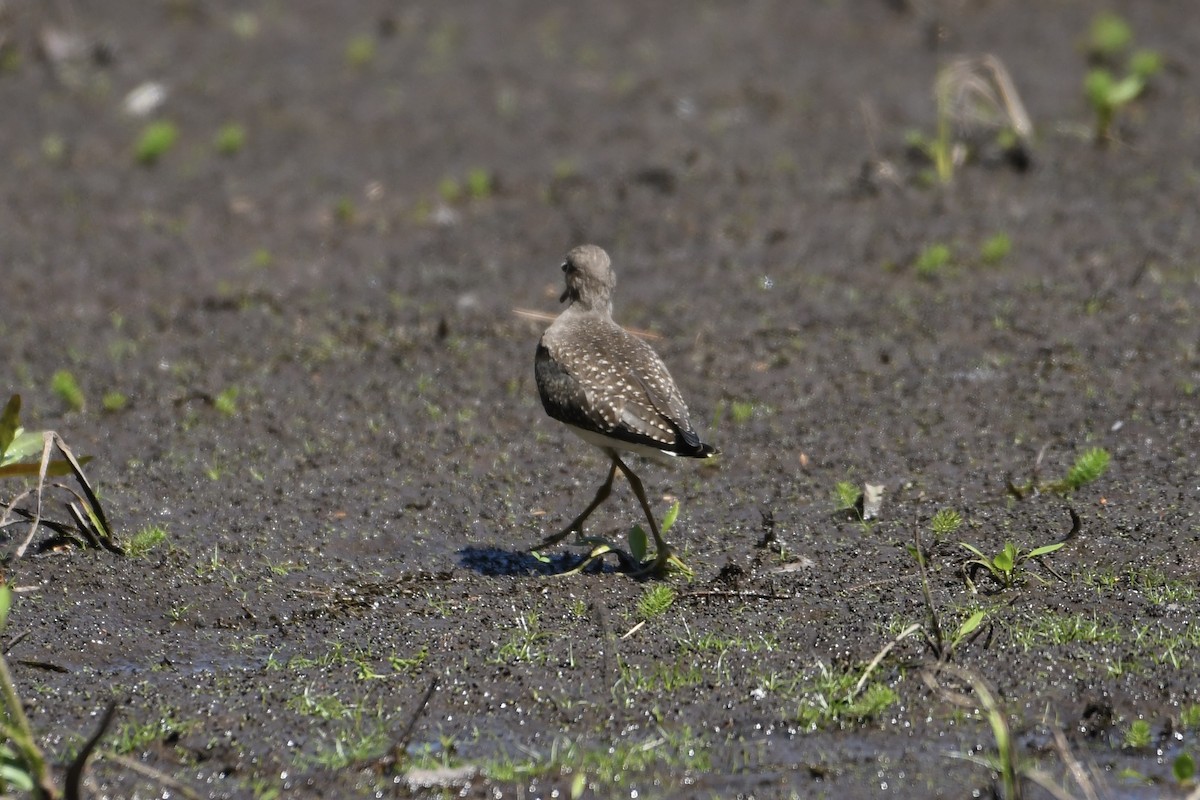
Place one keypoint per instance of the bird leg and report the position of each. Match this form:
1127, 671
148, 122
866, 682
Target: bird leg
664, 556
577, 524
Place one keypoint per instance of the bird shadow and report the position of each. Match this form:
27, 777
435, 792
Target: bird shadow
494, 561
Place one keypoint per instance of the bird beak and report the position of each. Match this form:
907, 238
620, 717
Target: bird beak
566, 293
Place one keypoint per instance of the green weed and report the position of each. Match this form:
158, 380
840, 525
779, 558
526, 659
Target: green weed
655, 601
933, 260
995, 248
1137, 735
154, 142
114, 401
360, 51
1111, 37
525, 642
945, 523
67, 388
837, 697
145, 540
1003, 566
1087, 468
230, 139
226, 401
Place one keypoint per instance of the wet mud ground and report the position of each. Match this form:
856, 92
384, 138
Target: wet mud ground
330, 406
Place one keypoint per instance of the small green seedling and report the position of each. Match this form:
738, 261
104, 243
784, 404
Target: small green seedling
977, 106
156, 139
655, 601
945, 523
1108, 36
995, 249
1004, 565
1106, 93
230, 139
1137, 736
1183, 768
480, 183
17, 448
638, 546
846, 496
933, 260
67, 388
360, 51
1087, 468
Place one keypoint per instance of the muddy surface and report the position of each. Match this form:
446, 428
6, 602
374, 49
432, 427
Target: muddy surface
331, 409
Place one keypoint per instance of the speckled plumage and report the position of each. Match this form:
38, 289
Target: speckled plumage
607, 384
613, 390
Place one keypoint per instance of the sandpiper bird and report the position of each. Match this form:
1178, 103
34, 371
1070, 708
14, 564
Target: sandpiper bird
611, 389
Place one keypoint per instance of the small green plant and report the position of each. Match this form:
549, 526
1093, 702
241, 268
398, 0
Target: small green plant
1183, 769
114, 401
1109, 38
995, 248
655, 601
525, 642
1137, 735
226, 402
638, 546
360, 51
977, 105
1004, 565
933, 260
230, 139
945, 523
846, 496
67, 388
1087, 468
154, 142
17, 448
1189, 717
344, 211
23, 766
145, 540
480, 183
742, 411
450, 190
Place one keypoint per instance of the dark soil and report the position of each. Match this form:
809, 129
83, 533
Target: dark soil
351, 528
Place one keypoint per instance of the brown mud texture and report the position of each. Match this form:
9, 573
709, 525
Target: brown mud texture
278, 247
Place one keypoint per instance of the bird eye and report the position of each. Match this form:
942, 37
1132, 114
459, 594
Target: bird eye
566, 267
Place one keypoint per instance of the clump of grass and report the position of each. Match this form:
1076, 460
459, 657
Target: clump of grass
846, 496
145, 540
360, 51
1137, 735
742, 411
933, 260
1108, 36
945, 523
344, 211
1105, 88
154, 142
480, 183
226, 402
449, 189
114, 401
1004, 565
1087, 468
995, 248
230, 139
17, 448
64, 385
655, 601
